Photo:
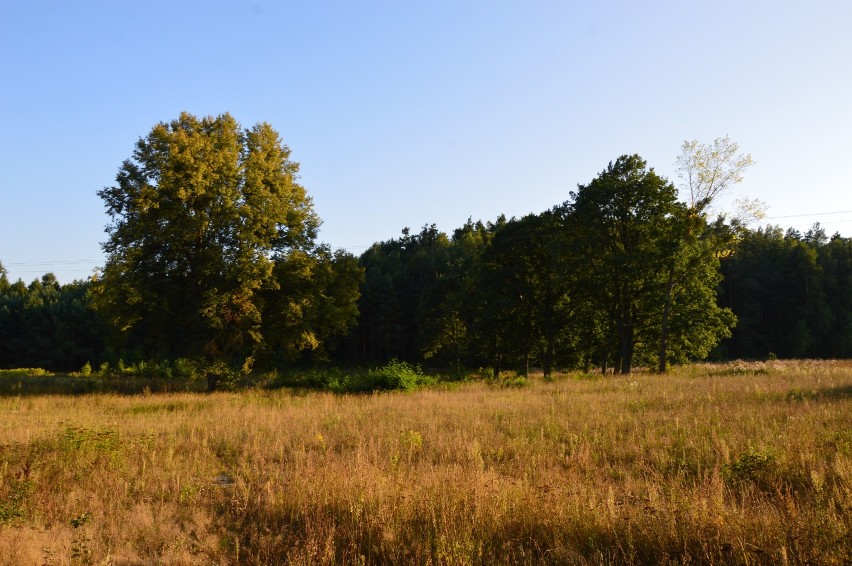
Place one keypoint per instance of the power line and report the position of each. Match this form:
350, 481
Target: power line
365, 247
63, 271
824, 223
61, 262
809, 214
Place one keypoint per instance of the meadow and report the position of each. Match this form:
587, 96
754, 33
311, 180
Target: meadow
742, 463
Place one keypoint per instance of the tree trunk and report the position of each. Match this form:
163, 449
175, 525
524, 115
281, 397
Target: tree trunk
626, 348
548, 359
664, 334
550, 337
607, 352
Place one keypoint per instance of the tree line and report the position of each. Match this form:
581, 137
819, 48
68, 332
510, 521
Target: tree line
789, 292
212, 256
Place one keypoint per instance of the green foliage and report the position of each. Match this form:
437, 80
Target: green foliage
13, 504
319, 305
24, 372
622, 273
639, 244
211, 249
791, 294
76, 439
212, 269
186, 369
510, 379
396, 375
754, 466
486, 373
45, 324
80, 520
401, 312
522, 275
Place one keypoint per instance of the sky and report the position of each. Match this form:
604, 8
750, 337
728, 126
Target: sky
408, 113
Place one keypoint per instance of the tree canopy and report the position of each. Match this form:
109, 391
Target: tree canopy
620, 270
206, 220
212, 255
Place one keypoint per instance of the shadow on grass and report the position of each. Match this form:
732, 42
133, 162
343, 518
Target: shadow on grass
836, 393
340, 534
14, 386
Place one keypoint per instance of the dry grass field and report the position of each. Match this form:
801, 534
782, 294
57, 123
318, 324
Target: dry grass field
713, 464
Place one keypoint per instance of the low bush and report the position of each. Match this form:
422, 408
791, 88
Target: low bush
24, 372
393, 376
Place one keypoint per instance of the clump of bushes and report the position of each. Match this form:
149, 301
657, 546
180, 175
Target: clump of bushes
194, 374
24, 372
394, 375
397, 375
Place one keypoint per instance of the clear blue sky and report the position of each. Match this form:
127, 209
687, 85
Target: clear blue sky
404, 113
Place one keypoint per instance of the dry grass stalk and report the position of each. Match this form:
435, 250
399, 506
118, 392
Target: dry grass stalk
728, 464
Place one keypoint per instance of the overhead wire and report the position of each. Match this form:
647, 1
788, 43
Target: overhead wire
808, 214
365, 247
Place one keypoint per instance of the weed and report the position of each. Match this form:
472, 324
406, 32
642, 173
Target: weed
79, 438
755, 466
81, 553
13, 505
80, 520
510, 379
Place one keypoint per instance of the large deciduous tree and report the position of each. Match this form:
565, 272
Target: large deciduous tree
635, 236
201, 215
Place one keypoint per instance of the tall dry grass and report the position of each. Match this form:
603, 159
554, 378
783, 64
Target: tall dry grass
733, 464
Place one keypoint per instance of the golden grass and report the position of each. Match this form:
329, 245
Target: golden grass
734, 464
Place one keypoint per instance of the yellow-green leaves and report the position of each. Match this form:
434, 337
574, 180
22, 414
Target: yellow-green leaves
200, 215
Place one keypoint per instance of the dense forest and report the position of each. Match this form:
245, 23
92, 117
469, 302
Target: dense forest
425, 299
212, 256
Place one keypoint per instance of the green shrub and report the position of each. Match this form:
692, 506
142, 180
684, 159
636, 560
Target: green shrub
25, 372
513, 379
326, 378
186, 369
393, 376
397, 375
757, 467
486, 373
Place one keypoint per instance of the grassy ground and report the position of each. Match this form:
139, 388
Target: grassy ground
734, 464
